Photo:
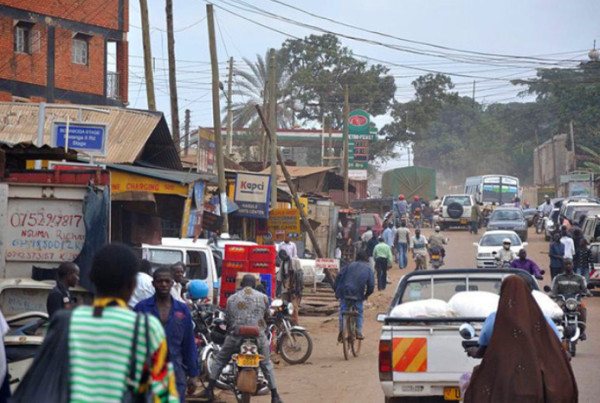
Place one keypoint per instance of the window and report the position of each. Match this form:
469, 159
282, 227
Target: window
197, 267
462, 200
23, 38
80, 49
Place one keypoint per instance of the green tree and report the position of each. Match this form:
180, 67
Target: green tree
318, 68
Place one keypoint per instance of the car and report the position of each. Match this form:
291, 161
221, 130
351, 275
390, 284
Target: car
591, 228
372, 220
569, 208
455, 210
508, 218
551, 224
595, 272
530, 214
491, 242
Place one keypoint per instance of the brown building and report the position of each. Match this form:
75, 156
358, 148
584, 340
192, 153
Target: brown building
64, 51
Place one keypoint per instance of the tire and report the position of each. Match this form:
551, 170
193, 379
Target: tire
245, 398
355, 342
546, 238
572, 346
455, 210
297, 336
345, 336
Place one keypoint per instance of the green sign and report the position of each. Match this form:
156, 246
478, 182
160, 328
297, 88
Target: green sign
359, 122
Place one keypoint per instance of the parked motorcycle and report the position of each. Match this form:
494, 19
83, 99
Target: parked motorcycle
435, 257
293, 342
570, 321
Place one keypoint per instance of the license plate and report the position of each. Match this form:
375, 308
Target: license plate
463, 221
451, 394
248, 360
435, 256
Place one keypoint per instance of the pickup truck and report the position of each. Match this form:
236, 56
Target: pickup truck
422, 359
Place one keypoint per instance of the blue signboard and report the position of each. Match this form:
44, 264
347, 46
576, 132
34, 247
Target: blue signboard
86, 137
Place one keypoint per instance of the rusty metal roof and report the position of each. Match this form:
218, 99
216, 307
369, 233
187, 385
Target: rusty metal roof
299, 172
129, 131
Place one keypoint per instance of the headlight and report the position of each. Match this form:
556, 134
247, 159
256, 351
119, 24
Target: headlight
271, 311
290, 308
571, 304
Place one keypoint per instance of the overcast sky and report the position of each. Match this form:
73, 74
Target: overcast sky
550, 29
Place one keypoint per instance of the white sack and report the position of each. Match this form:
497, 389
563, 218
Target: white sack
474, 304
547, 305
427, 308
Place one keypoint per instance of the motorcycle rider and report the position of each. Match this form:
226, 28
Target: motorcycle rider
547, 207
354, 284
571, 283
247, 307
418, 246
438, 240
505, 255
528, 265
400, 208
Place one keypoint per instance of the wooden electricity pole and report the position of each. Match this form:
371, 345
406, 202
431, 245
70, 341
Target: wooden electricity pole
147, 56
229, 111
172, 77
186, 132
273, 127
573, 145
346, 145
217, 117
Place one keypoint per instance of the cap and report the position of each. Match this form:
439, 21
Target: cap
506, 240
437, 228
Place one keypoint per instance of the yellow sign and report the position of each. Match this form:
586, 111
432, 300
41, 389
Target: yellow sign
287, 220
303, 205
121, 182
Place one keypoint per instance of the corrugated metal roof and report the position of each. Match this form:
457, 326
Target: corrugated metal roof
299, 172
180, 177
129, 129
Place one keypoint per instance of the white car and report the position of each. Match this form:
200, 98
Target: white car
491, 242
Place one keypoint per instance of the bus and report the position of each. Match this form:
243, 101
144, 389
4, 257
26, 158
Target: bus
488, 189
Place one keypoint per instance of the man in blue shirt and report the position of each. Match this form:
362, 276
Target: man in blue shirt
353, 285
177, 321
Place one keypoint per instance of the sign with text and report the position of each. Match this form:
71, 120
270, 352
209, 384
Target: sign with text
89, 138
287, 220
121, 182
252, 193
205, 157
357, 174
329, 264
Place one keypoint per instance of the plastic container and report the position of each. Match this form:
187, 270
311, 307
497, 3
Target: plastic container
263, 253
237, 253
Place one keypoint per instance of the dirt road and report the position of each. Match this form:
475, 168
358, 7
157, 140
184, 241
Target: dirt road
327, 377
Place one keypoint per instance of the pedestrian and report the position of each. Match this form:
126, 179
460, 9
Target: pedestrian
388, 235
178, 288
475, 217
60, 297
144, 288
289, 247
428, 214
557, 254
290, 278
87, 354
583, 259
366, 236
370, 248
401, 242
566, 240
400, 208
524, 360
247, 307
383, 260
177, 322
353, 285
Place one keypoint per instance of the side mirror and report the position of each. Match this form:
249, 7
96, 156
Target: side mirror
466, 331
547, 288
381, 317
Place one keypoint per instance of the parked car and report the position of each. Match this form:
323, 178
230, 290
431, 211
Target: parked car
455, 210
569, 208
508, 218
491, 242
591, 228
595, 272
372, 220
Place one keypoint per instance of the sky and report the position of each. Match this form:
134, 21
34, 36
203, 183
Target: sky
557, 33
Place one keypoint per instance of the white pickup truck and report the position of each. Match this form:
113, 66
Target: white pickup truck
422, 359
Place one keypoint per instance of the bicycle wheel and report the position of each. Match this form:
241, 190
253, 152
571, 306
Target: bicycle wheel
346, 336
356, 343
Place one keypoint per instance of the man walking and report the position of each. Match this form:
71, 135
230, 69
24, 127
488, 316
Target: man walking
475, 218
353, 285
289, 247
557, 254
401, 242
177, 321
567, 241
383, 260
59, 297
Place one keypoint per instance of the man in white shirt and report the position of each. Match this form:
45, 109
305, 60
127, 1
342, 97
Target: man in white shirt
367, 235
401, 241
566, 240
144, 288
289, 247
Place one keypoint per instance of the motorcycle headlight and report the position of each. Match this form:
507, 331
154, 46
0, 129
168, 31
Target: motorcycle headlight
571, 304
290, 308
271, 311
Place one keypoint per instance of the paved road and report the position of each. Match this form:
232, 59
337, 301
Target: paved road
326, 377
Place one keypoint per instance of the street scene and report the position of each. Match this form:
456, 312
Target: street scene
274, 201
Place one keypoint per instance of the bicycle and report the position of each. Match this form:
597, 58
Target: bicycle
350, 342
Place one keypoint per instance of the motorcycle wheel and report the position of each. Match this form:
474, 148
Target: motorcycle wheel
245, 397
572, 348
296, 348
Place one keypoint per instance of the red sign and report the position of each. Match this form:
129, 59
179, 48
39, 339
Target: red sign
357, 120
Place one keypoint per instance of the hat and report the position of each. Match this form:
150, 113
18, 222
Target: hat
506, 240
437, 228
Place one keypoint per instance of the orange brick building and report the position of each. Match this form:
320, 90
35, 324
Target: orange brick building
72, 51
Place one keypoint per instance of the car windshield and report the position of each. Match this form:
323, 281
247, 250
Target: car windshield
571, 210
445, 288
496, 239
462, 200
506, 215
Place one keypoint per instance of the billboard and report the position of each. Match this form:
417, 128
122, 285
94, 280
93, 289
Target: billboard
252, 194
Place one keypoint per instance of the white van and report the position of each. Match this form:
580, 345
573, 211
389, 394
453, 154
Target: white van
196, 256
591, 228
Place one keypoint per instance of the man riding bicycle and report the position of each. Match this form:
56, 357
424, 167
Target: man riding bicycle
353, 285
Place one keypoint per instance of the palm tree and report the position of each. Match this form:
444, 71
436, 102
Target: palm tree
249, 90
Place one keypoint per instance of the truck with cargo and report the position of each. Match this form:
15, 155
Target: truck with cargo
409, 181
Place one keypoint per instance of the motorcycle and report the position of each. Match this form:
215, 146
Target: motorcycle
247, 376
540, 224
435, 257
293, 343
570, 322
417, 218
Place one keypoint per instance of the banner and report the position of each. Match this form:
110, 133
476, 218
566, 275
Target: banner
284, 220
252, 194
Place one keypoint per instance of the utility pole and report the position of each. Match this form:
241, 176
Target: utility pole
172, 78
186, 130
473, 93
573, 145
217, 117
229, 111
554, 167
346, 145
539, 158
147, 56
273, 126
